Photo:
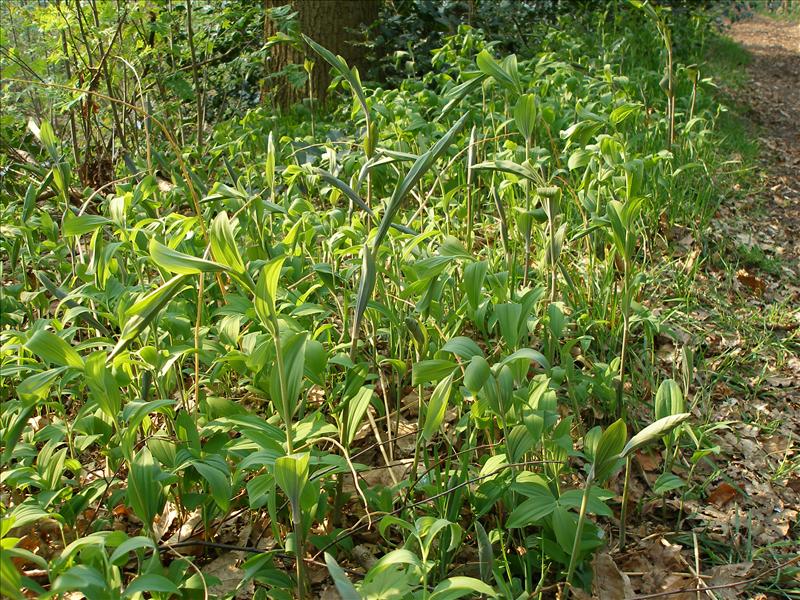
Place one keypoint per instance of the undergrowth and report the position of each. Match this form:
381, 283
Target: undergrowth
432, 326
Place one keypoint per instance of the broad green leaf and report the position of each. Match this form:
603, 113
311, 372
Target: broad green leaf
540, 503
135, 543
485, 551
267, 290
215, 471
509, 315
291, 475
528, 354
52, 349
489, 66
437, 406
667, 482
507, 166
177, 262
82, 578
457, 93
150, 582
269, 167
434, 369
476, 374
365, 287
463, 347
619, 232
607, 453
340, 580
103, 388
35, 388
145, 492
654, 431
294, 357
223, 244
669, 399
396, 557
74, 226
344, 188
565, 527
141, 314
458, 587
525, 115
356, 409
474, 276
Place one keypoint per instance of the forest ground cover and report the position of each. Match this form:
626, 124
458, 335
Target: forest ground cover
454, 289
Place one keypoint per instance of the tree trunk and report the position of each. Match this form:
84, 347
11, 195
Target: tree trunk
332, 23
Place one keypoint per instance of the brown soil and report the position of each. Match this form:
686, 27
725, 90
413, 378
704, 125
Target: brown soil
774, 96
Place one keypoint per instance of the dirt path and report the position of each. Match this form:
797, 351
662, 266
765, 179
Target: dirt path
774, 97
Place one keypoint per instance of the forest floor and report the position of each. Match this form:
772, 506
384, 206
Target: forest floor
740, 535
747, 316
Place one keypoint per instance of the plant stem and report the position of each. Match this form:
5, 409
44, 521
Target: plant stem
626, 306
623, 516
576, 544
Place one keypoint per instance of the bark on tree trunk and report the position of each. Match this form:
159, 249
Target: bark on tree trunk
332, 23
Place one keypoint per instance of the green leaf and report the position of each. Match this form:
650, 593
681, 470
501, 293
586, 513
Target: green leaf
463, 347
458, 587
476, 374
215, 471
75, 226
420, 167
485, 551
177, 262
565, 527
507, 166
150, 582
344, 188
437, 406
35, 388
525, 115
669, 399
82, 578
340, 580
654, 431
539, 504
434, 369
509, 315
141, 314
52, 349
145, 492
489, 66
474, 276
667, 482
291, 475
223, 244
129, 545
349, 75
365, 287
267, 290
607, 453
356, 409
294, 358
103, 388
269, 166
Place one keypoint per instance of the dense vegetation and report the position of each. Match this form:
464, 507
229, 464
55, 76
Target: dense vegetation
423, 319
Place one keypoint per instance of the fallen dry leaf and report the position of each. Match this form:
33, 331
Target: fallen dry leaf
755, 283
609, 582
648, 462
722, 494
